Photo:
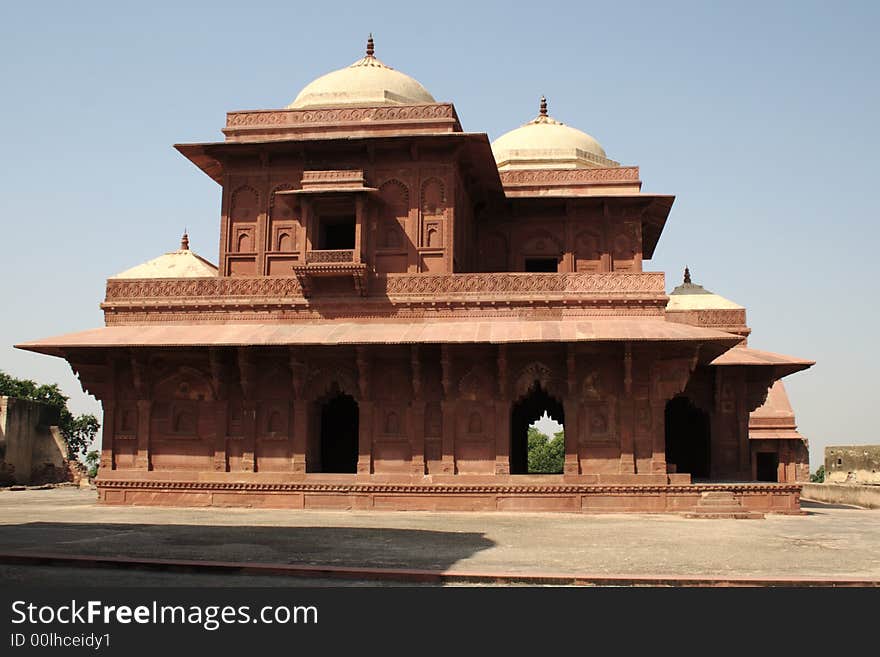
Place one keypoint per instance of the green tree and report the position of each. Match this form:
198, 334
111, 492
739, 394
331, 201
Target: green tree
546, 455
818, 477
79, 431
92, 459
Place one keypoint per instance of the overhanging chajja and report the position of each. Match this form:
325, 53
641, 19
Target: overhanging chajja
387, 332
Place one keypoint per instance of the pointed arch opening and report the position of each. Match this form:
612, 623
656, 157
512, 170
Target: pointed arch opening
688, 438
530, 417
338, 434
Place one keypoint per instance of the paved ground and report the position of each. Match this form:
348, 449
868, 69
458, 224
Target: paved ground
828, 542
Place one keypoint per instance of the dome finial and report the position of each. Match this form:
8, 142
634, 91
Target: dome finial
370, 47
184, 241
687, 276
543, 109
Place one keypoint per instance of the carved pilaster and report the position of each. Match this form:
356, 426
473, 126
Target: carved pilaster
299, 374
363, 372
417, 436
572, 409
365, 438
503, 384
449, 410
144, 409
415, 364
571, 368
219, 378
107, 431
446, 371
247, 372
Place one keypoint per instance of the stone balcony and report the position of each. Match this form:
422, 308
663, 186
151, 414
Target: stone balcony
330, 256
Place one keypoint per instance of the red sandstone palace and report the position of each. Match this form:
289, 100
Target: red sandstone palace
397, 300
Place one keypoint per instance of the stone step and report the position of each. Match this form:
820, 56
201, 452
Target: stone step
740, 514
731, 501
717, 494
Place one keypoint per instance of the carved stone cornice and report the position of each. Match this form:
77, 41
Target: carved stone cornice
450, 489
260, 124
640, 291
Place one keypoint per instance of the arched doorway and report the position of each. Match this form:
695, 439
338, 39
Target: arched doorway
687, 438
525, 412
339, 434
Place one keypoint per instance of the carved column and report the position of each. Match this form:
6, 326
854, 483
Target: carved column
141, 380
144, 407
107, 431
449, 411
365, 437
627, 417
572, 407
365, 421
502, 416
416, 429
248, 374
219, 373
360, 218
300, 412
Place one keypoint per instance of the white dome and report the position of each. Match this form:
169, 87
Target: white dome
366, 82
545, 143
182, 263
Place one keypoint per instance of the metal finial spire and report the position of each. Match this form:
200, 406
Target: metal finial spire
370, 47
543, 106
184, 241
687, 275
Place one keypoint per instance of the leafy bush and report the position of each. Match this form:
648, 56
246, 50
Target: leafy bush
78, 431
818, 477
546, 455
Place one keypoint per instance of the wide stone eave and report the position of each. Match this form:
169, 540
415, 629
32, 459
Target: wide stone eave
330, 333
475, 149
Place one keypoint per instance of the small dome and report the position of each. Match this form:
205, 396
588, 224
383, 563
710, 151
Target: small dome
545, 143
366, 82
182, 263
690, 296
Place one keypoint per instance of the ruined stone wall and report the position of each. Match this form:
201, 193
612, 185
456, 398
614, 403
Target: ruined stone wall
853, 464
32, 449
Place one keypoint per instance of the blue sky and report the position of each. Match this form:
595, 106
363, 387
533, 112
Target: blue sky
759, 116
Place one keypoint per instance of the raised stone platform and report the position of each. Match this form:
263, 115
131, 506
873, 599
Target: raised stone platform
744, 498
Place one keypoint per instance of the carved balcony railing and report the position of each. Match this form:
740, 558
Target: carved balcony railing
330, 256
226, 298
504, 286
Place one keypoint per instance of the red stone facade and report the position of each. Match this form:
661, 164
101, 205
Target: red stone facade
391, 313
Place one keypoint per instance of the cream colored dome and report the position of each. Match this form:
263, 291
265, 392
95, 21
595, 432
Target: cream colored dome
545, 143
366, 82
182, 263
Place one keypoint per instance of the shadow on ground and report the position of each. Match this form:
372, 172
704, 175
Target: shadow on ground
302, 546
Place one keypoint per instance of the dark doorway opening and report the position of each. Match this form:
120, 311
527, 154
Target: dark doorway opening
339, 434
526, 412
337, 233
542, 264
687, 438
767, 466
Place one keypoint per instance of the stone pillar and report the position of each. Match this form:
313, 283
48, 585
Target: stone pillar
417, 436
627, 422
572, 408
300, 434
450, 412
502, 436
658, 431
221, 420
144, 407
365, 438
359, 222
107, 431
249, 434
